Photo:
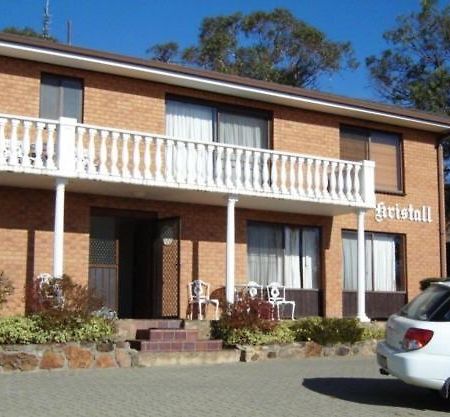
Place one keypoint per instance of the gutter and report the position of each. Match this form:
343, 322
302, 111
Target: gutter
441, 196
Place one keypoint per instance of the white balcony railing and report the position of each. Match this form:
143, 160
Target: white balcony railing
65, 148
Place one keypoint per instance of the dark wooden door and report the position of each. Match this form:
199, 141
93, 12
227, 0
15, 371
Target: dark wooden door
143, 274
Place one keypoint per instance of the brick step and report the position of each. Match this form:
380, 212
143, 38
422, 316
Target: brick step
165, 335
176, 346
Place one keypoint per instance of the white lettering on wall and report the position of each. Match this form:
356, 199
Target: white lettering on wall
410, 213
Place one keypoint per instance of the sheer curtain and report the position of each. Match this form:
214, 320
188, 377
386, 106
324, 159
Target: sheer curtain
292, 257
265, 253
236, 129
310, 258
380, 262
189, 121
384, 262
350, 262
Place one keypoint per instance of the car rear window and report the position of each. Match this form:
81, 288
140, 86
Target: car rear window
431, 305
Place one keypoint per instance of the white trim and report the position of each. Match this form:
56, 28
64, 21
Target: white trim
138, 71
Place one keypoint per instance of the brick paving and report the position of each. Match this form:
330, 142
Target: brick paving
312, 387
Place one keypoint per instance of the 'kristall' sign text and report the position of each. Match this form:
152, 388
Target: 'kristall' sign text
396, 212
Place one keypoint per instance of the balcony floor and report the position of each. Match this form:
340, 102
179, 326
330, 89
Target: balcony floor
175, 194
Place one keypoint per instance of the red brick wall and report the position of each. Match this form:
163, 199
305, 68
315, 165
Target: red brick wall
26, 220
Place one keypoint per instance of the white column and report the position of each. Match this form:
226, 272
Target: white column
58, 238
232, 200
361, 295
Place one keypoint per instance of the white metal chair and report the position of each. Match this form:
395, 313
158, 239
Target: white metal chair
254, 290
276, 295
198, 293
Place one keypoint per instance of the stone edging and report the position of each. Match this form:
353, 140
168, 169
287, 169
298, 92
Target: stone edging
66, 356
305, 350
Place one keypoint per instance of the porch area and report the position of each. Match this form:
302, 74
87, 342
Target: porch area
65, 155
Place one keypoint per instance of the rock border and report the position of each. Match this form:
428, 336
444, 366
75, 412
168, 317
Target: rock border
303, 350
21, 358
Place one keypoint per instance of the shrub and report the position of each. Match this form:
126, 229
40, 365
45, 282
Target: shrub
280, 333
61, 294
372, 331
248, 322
327, 331
249, 313
6, 288
42, 328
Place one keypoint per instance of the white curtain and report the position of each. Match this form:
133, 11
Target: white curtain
241, 130
384, 262
189, 121
265, 253
310, 258
369, 262
350, 262
380, 262
292, 277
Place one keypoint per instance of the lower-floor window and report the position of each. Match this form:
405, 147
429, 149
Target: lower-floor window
286, 254
384, 261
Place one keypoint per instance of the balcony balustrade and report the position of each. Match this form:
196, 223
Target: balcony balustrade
65, 148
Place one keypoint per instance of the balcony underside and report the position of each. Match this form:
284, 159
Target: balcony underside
175, 193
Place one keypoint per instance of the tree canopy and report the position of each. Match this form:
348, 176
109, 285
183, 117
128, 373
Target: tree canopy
27, 31
415, 71
270, 46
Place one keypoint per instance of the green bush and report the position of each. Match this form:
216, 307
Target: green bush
328, 331
46, 328
248, 322
372, 331
280, 333
6, 288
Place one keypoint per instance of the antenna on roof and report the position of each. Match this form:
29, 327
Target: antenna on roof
69, 32
46, 21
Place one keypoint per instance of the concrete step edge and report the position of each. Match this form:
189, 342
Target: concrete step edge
148, 359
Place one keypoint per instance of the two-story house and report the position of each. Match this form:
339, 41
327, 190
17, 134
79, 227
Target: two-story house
138, 177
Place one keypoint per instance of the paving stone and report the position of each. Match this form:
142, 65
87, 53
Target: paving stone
318, 387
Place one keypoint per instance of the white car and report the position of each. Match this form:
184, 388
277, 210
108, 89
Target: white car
417, 345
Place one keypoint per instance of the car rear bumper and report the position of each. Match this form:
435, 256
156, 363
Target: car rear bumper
412, 367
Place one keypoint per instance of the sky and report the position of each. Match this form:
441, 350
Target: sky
129, 27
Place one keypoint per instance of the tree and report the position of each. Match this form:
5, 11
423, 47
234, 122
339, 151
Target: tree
27, 31
415, 71
271, 46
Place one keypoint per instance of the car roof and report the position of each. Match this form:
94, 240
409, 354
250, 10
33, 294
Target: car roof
445, 283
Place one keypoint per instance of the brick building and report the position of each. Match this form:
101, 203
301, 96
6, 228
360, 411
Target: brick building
139, 177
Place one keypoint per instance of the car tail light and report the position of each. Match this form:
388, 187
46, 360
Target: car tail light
416, 338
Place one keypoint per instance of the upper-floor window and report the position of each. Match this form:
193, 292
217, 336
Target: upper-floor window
61, 96
384, 148
209, 122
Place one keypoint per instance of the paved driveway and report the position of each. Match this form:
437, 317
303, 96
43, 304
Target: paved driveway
311, 387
